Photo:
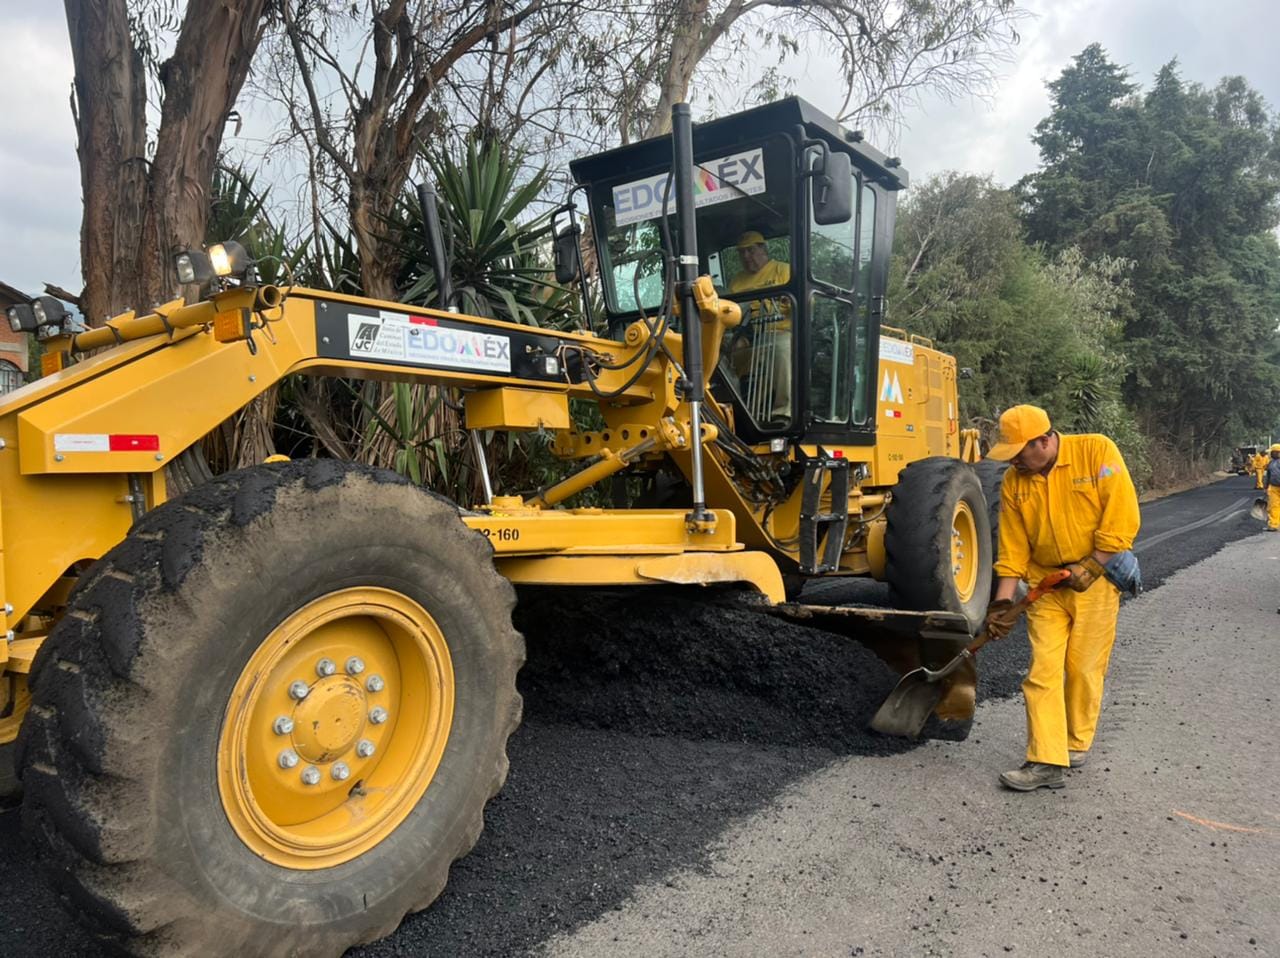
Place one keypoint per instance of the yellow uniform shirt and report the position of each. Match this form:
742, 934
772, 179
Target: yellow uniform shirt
1086, 502
771, 273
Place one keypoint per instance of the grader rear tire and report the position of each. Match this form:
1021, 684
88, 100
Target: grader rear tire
187, 796
938, 539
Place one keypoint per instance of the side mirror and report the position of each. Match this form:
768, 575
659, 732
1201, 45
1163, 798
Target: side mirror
565, 253
966, 372
833, 189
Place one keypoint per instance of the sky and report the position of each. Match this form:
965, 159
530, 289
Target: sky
40, 179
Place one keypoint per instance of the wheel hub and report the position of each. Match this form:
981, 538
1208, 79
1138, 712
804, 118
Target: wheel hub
329, 721
317, 765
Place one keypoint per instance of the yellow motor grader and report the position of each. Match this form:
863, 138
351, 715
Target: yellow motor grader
260, 713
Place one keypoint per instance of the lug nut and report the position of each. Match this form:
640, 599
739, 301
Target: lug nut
340, 772
299, 690
378, 715
325, 668
283, 725
288, 758
364, 748
355, 665
375, 683
311, 775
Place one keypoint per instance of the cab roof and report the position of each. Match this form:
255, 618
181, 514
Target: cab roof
725, 132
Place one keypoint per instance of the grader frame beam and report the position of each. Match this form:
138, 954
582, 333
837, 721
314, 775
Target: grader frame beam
84, 449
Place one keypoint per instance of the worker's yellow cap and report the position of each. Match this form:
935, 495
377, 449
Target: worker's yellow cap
750, 238
1018, 426
1275, 447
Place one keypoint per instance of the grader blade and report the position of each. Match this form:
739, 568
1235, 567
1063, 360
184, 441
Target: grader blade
904, 640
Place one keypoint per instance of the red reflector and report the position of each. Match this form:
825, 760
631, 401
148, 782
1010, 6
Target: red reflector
837, 454
423, 321
121, 443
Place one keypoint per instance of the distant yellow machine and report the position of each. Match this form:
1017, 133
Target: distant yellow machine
261, 712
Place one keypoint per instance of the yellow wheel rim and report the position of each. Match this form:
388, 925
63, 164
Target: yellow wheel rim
964, 551
335, 728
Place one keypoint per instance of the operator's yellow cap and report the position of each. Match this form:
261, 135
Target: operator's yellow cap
1018, 426
750, 238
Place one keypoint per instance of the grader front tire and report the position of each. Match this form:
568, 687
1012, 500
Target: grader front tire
938, 539
208, 764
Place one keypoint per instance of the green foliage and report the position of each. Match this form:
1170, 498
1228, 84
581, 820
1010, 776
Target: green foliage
1183, 183
497, 247
1032, 327
237, 211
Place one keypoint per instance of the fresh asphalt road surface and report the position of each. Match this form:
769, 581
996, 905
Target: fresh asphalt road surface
716, 792
1166, 843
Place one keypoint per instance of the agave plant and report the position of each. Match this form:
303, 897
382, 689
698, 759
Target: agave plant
498, 248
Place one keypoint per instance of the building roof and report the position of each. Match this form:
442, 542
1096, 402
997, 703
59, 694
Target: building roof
11, 297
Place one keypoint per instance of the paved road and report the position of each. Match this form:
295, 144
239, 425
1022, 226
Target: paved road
623, 793
1168, 843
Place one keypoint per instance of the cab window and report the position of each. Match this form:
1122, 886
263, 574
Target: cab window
741, 192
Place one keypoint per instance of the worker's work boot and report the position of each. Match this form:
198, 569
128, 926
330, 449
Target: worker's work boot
1033, 775
1077, 759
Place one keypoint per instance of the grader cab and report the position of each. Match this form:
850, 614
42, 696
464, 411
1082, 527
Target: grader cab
261, 712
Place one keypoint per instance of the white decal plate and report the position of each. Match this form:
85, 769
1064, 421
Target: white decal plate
81, 442
714, 181
896, 351
421, 340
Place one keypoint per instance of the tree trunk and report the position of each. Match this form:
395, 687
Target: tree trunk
111, 139
138, 213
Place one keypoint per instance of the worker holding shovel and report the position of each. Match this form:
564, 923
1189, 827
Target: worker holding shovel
1067, 503
1272, 479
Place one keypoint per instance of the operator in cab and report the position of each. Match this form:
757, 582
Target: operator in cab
769, 326
1068, 502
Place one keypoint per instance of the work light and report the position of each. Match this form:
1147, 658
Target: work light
229, 258
48, 311
22, 318
193, 266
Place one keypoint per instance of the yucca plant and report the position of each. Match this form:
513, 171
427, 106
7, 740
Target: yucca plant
498, 248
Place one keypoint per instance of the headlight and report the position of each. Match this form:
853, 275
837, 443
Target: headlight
48, 311
193, 266
22, 318
228, 259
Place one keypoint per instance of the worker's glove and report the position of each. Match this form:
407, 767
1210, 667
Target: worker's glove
1123, 573
1084, 573
1002, 616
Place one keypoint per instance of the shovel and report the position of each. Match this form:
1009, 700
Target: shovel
1259, 510
918, 692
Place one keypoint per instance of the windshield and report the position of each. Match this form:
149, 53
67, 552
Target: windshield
743, 197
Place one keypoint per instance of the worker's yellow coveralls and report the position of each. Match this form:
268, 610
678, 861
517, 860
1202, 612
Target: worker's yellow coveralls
1272, 474
777, 338
1087, 502
1259, 468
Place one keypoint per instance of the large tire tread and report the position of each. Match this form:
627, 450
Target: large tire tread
917, 538
89, 749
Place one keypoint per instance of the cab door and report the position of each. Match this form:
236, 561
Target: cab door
847, 268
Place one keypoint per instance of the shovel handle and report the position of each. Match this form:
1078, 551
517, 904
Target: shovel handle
1047, 585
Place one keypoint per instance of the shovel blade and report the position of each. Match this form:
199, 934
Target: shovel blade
1259, 510
909, 705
